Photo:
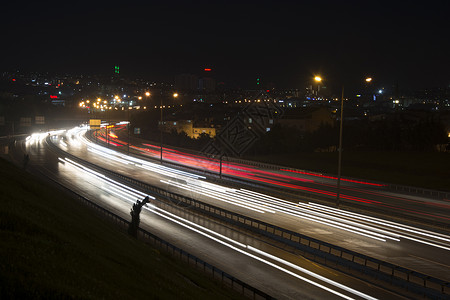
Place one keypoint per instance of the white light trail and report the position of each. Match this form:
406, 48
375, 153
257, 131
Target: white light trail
370, 227
121, 192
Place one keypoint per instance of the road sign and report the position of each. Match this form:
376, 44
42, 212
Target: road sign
95, 123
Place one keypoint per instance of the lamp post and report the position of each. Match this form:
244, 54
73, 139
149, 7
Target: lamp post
161, 127
318, 79
368, 80
340, 150
128, 131
367, 91
175, 95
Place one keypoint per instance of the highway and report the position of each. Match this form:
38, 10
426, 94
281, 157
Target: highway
411, 247
264, 265
369, 195
408, 246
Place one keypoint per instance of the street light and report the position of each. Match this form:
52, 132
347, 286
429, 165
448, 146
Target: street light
340, 150
175, 95
368, 80
318, 79
368, 89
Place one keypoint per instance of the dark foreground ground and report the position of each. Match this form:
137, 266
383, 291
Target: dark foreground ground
54, 247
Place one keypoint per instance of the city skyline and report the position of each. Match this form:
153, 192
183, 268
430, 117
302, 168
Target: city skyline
284, 43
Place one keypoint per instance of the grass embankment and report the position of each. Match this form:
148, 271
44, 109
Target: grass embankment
54, 247
426, 170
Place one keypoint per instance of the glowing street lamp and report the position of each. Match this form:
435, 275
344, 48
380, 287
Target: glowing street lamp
369, 79
147, 94
175, 95
318, 80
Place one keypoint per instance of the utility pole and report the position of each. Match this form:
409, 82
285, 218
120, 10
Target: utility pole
340, 150
220, 167
161, 127
128, 129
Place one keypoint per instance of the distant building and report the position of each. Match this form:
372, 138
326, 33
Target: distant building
197, 131
188, 127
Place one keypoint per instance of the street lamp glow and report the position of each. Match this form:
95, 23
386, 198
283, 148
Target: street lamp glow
318, 78
175, 95
368, 79
147, 94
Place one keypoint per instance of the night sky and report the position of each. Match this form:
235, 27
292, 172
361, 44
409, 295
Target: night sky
284, 42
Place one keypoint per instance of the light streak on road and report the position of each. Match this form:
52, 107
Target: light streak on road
396, 226
121, 191
126, 159
289, 264
370, 227
39, 137
255, 203
248, 206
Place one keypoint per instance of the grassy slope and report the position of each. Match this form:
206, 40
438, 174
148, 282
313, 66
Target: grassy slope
54, 247
426, 170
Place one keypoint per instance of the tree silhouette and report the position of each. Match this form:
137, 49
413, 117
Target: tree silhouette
135, 219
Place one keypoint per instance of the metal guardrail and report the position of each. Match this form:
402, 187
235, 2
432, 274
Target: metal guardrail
225, 278
411, 280
324, 252
216, 273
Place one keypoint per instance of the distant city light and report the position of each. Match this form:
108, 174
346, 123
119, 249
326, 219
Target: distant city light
318, 78
207, 69
380, 91
368, 79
